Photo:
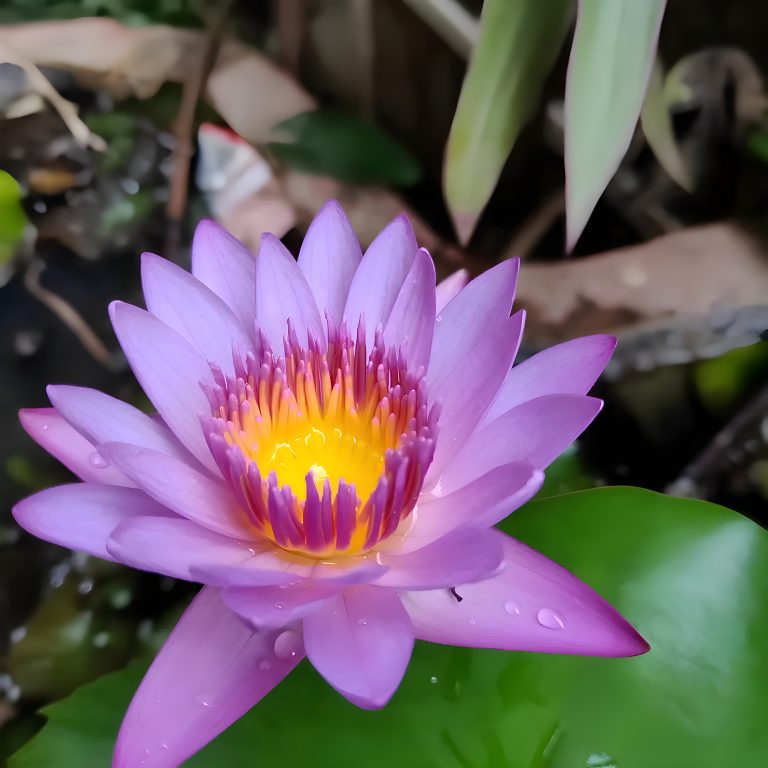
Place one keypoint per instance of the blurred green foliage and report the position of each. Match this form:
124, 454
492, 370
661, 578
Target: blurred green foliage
723, 382
13, 220
136, 12
344, 146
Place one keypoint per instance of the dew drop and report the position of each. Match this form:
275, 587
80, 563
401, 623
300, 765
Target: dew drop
97, 460
550, 619
203, 700
433, 680
264, 665
287, 645
277, 606
45, 427
601, 760
512, 608
472, 622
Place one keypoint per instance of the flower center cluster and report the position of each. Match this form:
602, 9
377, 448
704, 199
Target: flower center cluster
326, 449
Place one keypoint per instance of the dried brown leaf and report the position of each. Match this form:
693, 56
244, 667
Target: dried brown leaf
245, 87
689, 272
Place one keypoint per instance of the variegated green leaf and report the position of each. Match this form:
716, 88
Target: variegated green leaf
519, 41
613, 52
657, 127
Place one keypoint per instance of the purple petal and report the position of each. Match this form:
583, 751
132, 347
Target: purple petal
537, 431
170, 372
82, 516
210, 672
412, 320
531, 605
458, 558
480, 504
297, 568
179, 487
227, 267
329, 257
177, 547
380, 277
568, 368
49, 430
467, 371
450, 287
105, 419
279, 605
283, 293
194, 311
485, 302
361, 642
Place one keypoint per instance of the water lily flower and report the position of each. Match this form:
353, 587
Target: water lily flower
335, 439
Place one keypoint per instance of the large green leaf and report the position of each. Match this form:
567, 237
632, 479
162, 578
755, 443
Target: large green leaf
614, 46
692, 576
518, 44
341, 145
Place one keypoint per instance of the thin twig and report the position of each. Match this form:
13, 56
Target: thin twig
449, 19
66, 109
67, 314
184, 127
537, 225
291, 30
717, 459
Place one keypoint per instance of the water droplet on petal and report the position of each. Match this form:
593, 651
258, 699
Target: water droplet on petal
433, 680
204, 700
287, 645
362, 622
278, 606
97, 460
511, 608
551, 619
45, 427
264, 665
472, 622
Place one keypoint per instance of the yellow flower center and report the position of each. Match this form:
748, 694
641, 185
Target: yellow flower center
325, 449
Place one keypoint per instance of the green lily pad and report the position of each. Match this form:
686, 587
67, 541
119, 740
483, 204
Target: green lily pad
692, 576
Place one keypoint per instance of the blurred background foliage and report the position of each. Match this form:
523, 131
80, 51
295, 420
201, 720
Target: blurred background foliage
123, 122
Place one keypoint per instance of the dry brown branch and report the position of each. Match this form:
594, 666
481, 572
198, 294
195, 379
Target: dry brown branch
67, 314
